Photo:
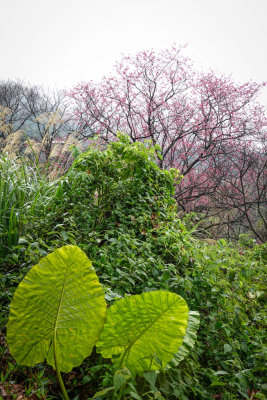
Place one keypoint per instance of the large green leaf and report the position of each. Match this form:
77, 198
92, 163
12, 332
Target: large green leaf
58, 306
143, 329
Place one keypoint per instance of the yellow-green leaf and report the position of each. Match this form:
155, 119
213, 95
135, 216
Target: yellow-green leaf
60, 301
144, 328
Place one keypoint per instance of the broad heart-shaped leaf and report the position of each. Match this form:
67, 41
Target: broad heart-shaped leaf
60, 298
189, 339
143, 329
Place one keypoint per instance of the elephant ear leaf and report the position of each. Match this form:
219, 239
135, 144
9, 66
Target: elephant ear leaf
143, 332
58, 311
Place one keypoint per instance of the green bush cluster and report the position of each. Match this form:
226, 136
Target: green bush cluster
118, 206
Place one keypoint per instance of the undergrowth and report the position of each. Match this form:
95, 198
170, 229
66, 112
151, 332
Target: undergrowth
118, 207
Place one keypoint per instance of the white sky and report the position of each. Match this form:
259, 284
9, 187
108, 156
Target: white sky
62, 42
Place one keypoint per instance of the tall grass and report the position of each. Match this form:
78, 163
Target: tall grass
22, 189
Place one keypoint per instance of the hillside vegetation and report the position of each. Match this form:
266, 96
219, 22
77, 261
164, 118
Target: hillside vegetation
119, 208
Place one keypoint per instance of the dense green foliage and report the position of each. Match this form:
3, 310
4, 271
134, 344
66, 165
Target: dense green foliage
58, 314
118, 206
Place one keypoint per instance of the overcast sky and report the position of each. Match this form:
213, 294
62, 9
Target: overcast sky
62, 42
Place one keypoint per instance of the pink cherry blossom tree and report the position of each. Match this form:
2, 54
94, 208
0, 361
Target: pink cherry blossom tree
202, 122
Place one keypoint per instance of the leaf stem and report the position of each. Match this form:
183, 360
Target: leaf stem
123, 356
61, 384
59, 377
